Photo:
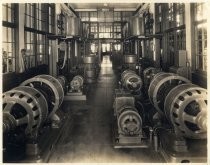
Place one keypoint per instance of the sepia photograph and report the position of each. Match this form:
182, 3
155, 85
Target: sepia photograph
104, 82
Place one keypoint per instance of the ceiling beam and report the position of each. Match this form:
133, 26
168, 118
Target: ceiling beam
141, 9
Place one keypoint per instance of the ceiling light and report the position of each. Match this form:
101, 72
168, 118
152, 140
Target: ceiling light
105, 4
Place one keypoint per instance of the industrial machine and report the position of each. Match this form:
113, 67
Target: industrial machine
75, 92
186, 108
160, 86
179, 127
128, 122
129, 132
131, 81
51, 88
77, 84
176, 121
29, 111
18, 113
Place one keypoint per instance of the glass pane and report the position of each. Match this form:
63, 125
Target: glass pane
32, 38
32, 49
9, 15
4, 13
10, 48
9, 35
28, 47
32, 22
4, 34
27, 36
32, 10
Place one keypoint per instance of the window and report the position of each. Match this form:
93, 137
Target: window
106, 47
84, 16
117, 47
117, 30
105, 30
30, 46
158, 17
93, 16
176, 14
117, 16
201, 36
94, 30
42, 57
30, 15
174, 32
8, 12
176, 40
180, 14
126, 15
171, 15
36, 16
85, 29
39, 20
94, 47
41, 17
104, 24
8, 38
51, 18
8, 49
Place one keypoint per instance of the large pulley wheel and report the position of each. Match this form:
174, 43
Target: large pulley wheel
160, 86
186, 108
51, 88
131, 81
24, 107
129, 121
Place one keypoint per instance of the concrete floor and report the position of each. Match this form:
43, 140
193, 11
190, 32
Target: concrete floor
89, 140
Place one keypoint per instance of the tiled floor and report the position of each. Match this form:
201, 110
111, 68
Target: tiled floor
90, 140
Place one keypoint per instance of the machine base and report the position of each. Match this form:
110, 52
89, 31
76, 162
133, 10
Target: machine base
120, 141
75, 96
47, 141
194, 151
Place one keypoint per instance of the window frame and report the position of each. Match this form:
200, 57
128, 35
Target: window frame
202, 25
9, 60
